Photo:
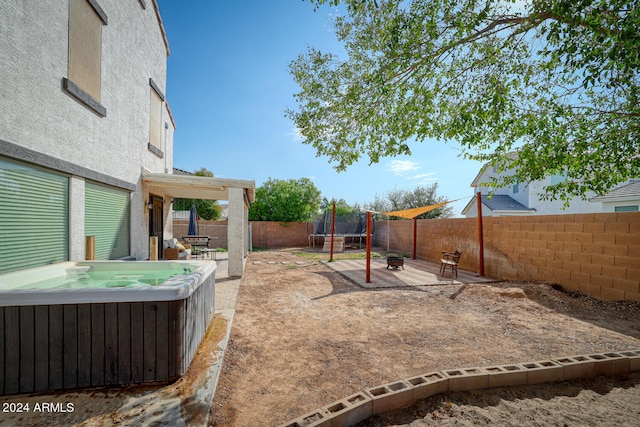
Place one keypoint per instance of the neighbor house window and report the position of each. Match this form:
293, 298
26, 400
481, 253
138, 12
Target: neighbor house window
155, 119
516, 188
34, 216
84, 81
632, 208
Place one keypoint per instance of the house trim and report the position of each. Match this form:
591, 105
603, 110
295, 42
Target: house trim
74, 90
162, 30
103, 16
156, 88
19, 153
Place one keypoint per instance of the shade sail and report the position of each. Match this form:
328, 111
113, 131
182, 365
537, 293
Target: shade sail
414, 212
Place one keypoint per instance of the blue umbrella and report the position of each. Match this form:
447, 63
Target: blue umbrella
193, 225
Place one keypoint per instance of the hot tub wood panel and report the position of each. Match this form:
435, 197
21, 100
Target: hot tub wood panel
136, 362
84, 346
27, 348
41, 368
12, 349
124, 343
111, 355
2, 349
97, 345
70, 355
54, 347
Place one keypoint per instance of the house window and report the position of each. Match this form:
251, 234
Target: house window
516, 188
34, 213
632, 208
155, 119
86, 19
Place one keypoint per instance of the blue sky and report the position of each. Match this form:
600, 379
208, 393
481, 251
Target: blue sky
228, 86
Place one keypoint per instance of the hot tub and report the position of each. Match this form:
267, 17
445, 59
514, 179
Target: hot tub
102, 323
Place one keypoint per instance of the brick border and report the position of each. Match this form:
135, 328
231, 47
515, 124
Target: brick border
398, 394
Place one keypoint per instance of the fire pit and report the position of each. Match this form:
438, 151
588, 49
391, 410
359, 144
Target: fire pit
395, 262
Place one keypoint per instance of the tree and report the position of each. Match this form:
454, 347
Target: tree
540, 87
342, 207
420, 196
206, 209
285, 200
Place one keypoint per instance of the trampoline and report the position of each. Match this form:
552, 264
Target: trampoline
350, 226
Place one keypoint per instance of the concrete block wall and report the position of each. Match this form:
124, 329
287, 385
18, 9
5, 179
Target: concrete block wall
597, 254
403, 393
216, 229
433, 237
274, 234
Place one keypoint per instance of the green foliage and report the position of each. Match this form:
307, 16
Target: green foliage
342, 207
285, 200
206, 209
554, 81
203, 172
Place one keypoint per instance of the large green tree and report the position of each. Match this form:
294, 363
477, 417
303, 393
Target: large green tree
285, 200
540, 87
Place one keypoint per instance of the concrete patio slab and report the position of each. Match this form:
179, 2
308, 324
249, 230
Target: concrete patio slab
415, 273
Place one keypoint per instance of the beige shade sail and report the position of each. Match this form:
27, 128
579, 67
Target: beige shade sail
414, 212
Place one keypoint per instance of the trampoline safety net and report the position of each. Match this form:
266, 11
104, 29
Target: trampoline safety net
349, 224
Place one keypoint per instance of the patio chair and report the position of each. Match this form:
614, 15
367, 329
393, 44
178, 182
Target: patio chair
450, 260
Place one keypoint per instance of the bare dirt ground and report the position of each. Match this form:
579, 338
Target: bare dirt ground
304, 336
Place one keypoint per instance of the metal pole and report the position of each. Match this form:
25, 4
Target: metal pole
388, 233
368, 275
415, 236
480, 236
333, 229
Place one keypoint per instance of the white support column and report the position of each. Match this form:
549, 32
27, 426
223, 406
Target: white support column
236, 231
76, 219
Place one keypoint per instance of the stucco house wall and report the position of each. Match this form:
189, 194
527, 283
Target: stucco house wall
57, 131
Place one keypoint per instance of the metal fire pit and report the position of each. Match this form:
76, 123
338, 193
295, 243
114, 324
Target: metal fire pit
395, 262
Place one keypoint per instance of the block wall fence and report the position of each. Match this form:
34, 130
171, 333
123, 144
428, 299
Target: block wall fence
273, 234
215, 229
597, 254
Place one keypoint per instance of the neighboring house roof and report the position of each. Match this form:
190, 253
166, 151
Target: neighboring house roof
629, 191
499, 202
178, 171
503, 203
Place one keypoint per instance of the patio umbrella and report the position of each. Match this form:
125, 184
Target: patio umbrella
193, 224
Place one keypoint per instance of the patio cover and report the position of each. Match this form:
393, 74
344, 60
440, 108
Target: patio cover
239, 194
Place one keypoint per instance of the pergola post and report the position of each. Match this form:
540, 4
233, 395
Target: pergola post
480, 233
236, 231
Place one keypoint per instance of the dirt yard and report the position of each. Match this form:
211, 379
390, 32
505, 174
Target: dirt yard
303, 336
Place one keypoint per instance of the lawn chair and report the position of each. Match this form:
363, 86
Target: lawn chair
450, 260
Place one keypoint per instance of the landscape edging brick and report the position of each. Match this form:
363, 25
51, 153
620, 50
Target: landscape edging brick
398, 394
